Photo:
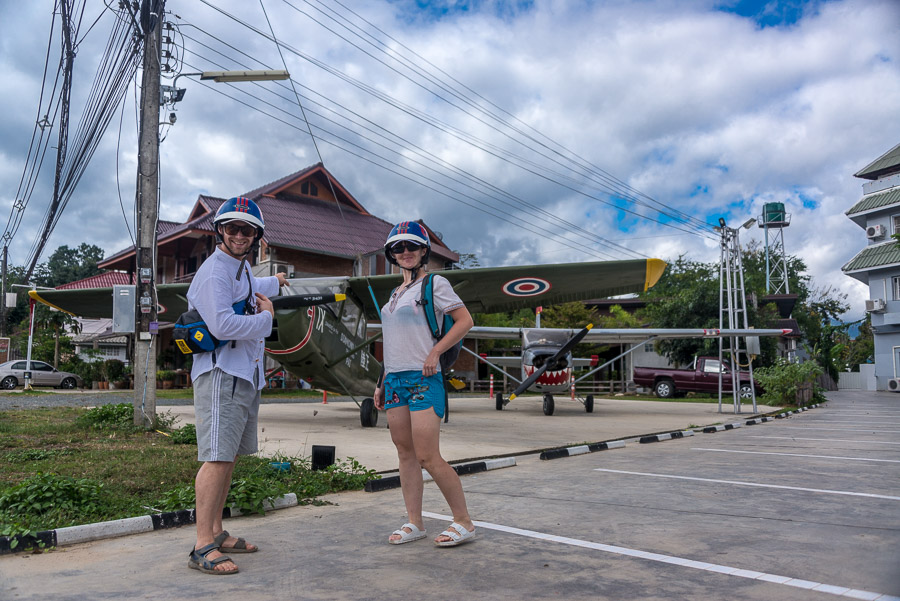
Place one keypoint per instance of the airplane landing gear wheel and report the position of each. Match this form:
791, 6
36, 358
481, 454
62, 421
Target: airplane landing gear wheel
548, 404
368, 414
589, 404
499, 398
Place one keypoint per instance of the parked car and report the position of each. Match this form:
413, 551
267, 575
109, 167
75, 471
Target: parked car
12, 374
702, 376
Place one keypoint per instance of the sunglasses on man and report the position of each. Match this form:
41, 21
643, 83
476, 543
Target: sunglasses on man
405, 245
232, 229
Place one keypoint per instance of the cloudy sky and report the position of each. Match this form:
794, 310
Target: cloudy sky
523, 131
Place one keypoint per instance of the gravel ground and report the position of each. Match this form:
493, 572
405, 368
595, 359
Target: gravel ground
92, 398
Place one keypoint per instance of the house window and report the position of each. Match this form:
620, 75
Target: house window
373, 265
895, 286
895, 224
309, 188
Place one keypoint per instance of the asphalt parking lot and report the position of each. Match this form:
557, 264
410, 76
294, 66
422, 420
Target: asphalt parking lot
806, 507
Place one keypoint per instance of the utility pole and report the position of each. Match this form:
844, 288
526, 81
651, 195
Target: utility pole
3, 294
146, 325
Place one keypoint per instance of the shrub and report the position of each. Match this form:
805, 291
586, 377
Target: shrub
784, 380
187, 434
45, 492
107, 416
114, 369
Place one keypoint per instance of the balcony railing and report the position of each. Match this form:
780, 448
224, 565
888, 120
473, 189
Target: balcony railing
184, 279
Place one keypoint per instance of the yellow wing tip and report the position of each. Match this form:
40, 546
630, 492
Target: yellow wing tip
35, 296
340, 297
589, 326
655, 269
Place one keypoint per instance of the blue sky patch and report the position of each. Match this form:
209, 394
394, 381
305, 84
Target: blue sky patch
440, 9
771, 13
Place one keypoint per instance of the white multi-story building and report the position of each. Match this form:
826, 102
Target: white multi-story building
878, 264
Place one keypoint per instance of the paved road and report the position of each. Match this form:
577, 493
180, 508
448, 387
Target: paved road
763, 512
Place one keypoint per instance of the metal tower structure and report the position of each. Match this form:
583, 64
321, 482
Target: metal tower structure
774, 218
733, 313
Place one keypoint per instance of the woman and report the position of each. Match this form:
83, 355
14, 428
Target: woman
413, 385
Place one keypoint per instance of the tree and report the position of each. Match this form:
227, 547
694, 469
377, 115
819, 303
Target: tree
862, 348
69, 265
687, 296
64, 265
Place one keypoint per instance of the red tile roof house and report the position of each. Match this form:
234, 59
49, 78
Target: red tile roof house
309, 232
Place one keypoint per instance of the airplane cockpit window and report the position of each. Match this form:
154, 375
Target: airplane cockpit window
320, 286
350, 315
544, 337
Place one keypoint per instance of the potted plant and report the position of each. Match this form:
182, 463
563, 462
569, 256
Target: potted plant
166, 378
114, 370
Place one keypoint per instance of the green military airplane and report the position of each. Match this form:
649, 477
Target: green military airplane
327, 341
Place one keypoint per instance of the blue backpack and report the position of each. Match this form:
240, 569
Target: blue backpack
192, 336
426, 300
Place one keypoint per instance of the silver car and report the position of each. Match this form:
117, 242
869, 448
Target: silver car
12, 374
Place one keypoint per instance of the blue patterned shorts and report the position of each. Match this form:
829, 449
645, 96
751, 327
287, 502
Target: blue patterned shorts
411, 388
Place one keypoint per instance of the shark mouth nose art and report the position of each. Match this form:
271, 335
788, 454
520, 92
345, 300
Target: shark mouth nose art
559, 376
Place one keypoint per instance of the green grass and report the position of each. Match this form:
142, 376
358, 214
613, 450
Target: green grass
69, 466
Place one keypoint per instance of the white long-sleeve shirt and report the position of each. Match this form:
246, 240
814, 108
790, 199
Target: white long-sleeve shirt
213, 291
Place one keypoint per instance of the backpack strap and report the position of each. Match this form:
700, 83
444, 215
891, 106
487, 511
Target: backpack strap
427, 301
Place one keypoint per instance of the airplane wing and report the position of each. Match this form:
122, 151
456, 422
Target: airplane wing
499, 289
98, 302
616, 336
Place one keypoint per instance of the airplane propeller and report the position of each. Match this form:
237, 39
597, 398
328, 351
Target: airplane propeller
305, 300
562, 352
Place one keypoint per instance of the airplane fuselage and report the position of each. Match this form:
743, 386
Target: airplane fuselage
327, 345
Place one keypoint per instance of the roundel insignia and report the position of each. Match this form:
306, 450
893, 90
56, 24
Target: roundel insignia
526, 287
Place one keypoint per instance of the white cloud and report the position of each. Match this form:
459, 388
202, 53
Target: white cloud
701, 109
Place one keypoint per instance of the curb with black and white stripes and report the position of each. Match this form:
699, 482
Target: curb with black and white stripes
185, 517
114, 528
618, 444
462, 469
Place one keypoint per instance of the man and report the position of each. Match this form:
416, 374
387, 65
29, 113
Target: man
236, 308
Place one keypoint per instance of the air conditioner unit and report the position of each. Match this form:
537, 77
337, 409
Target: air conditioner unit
875, 231
285, 268
894, 384
875, 305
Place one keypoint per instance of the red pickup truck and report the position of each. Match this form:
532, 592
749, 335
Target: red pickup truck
702, 376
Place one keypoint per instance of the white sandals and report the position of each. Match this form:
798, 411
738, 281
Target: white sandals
457, 534
407, 537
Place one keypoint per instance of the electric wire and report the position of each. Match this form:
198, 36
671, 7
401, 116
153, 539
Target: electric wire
464, 176
408, 175
412, 111
117, 67
417, 150
387, 50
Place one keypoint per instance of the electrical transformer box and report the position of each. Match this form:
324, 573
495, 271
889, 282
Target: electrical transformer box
123, 309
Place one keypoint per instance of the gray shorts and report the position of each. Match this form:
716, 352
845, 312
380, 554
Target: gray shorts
225, 410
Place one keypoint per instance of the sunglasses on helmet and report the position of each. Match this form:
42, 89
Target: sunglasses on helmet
232, 229
405, 245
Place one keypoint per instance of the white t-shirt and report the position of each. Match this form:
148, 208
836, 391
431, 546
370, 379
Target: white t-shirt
407, 337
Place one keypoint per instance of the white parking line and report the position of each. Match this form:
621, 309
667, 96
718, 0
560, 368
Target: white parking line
828, 439
840, 591
842, 430
754, 484
843, 423
796, 455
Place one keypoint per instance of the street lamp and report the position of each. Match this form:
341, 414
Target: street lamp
176, 94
